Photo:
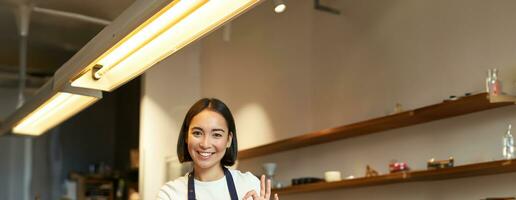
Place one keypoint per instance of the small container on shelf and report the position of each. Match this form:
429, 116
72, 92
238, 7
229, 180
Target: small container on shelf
370, 172
332, 176
270, 170
396, 166
508, 145
440, 164
306, 180
493, 83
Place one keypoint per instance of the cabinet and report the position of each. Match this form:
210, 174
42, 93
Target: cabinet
443, 110
93, 187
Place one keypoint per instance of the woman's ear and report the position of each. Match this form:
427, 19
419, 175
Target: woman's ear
230, 139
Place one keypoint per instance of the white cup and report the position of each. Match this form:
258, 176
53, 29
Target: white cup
332, 176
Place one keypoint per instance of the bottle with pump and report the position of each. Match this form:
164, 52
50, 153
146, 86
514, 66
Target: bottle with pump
508, 145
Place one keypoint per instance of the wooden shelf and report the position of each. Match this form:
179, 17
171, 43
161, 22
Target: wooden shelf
471, 170
446, 109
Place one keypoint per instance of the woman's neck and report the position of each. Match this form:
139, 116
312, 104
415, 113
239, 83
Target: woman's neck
209, 174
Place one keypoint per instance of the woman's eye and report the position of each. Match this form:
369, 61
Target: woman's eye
196, 133
217, 135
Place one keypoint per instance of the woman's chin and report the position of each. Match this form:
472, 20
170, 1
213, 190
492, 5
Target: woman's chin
205, 164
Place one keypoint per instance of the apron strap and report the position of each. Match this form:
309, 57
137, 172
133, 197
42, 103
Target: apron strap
231, 184
191, 188
229, 181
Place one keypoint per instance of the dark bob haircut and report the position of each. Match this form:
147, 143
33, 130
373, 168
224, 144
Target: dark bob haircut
215, 105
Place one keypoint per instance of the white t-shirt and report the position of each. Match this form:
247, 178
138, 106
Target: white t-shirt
211, 190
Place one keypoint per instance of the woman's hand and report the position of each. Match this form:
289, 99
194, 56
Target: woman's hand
265, 193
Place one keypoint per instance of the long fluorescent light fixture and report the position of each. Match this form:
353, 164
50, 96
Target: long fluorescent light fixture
60, 107
173, 27
50, 107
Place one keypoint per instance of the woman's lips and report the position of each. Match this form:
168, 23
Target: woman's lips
205, 155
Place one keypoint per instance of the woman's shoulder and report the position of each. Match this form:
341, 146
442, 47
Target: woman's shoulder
173, 189
245, 176
245, 181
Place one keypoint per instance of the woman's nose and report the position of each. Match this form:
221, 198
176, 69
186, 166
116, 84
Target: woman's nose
205, 143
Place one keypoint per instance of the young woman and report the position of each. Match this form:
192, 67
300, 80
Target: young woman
208, 139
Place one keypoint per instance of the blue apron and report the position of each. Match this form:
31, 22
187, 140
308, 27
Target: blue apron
229, 180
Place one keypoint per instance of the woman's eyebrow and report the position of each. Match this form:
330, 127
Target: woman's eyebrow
197, 128
218, 129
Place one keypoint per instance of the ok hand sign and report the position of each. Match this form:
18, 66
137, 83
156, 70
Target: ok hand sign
265, 193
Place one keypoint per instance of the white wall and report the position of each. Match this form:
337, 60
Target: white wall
285, 75
411, 52
377, 54
163, 105
263, 72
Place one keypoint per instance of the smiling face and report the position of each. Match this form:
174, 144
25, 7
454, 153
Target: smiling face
208, 138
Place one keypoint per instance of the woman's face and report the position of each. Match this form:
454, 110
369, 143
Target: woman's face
208, 138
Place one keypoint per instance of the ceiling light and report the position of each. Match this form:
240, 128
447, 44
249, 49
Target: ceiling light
279, 6
49, 108
165, 32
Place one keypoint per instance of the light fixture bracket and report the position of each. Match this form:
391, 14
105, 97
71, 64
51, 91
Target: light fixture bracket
319, 6
95, 72
68, 88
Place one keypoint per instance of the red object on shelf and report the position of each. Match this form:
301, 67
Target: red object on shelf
398, 167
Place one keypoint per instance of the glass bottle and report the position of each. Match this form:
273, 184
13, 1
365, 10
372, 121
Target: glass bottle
488, 81
495, 84
508, 145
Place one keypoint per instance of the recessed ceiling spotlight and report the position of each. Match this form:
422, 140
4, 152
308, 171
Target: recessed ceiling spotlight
279, 6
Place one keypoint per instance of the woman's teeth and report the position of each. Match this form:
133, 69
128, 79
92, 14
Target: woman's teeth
205, 154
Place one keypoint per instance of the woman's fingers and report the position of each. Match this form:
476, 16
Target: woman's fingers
262, 186
268, 192
249, 194
255, 195
265, 191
